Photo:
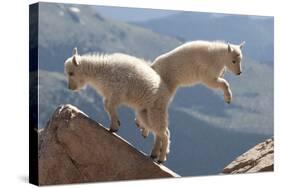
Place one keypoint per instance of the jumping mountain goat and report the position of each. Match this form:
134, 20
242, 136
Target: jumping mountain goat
125, 80
199, 62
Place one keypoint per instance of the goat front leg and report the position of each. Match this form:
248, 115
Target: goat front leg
142, 122
223, 85
110, 107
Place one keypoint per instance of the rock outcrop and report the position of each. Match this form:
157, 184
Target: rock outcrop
258, 159
75, 149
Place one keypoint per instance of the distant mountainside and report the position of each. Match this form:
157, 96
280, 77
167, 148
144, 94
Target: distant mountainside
257, 31
132, 14
64, 26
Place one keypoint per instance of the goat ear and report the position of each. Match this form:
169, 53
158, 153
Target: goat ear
242, 44
74, 51
75, 60
229, 49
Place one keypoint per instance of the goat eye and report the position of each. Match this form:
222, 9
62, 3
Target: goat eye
233, 62
71, 73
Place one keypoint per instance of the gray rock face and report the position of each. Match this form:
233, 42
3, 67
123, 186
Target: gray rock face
75, 149
258, 159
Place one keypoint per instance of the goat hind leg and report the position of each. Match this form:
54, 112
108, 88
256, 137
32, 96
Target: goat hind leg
156, 148
110, 108
164, 147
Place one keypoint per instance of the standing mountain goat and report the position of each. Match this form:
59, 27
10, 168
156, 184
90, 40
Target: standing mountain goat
122, 79
200, 62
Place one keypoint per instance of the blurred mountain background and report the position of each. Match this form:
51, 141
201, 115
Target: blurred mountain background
206, 133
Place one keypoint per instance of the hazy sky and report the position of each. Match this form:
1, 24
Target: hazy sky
141, 14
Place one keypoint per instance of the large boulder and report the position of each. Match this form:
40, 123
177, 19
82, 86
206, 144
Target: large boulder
258, 159
75, 149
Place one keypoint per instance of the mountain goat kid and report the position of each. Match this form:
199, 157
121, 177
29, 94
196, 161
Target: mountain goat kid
200, 62
125, 80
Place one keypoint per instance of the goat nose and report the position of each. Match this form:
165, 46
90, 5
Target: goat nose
239, 73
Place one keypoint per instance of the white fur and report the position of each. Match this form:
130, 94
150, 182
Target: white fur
123, 79
200, 62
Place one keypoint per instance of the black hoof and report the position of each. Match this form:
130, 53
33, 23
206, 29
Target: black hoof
144, 136
113, 130
160, 162
153, 157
